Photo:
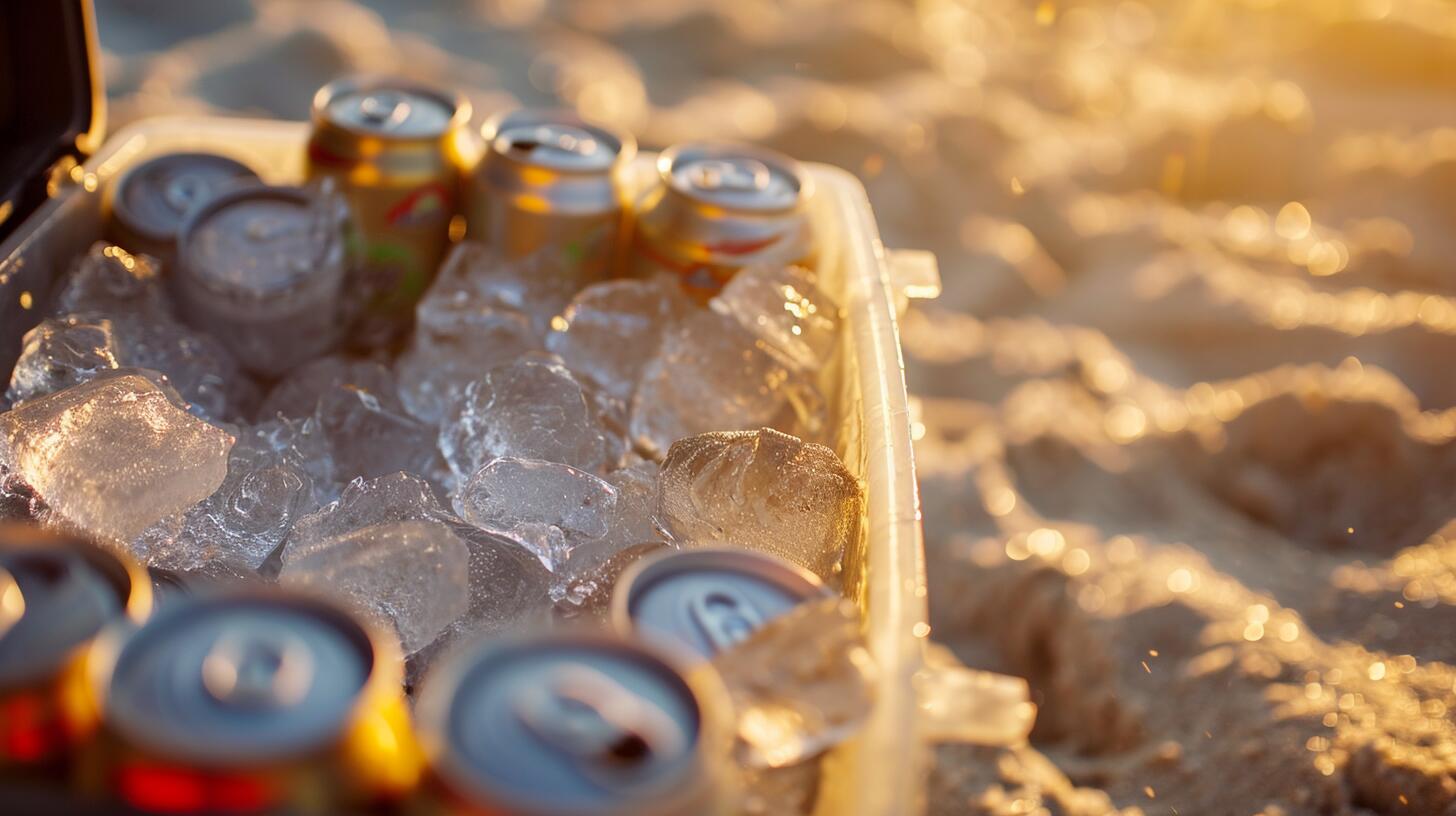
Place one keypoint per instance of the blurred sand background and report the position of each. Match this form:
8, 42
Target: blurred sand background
1186, 407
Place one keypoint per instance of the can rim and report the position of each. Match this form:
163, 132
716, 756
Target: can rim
385, 675
199, 216
128, 178
136, 607
712, 750
354, 83
667, 161
772, 569
626, 142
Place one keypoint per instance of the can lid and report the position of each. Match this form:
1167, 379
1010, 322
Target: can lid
253, 242
709, 600
564, 724
735, 177
57, 594
241, 677
153, 198
388, 107
555, 140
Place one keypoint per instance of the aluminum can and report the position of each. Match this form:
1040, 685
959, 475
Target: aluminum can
397, 150
574, 723
57, 592
550, 182
249, 700
717, 208
148, 203
706, 601
263, 269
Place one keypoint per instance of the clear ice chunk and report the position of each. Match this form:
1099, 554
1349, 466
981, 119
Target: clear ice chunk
801, 684
368, 431
611, 330
269, 486
59, 353
712, 374
411, 576
762, 490
549, 508
531, 410
127, 289
784, 307
478, 278
113, 455
449, 350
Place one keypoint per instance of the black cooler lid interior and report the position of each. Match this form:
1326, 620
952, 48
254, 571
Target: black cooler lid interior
51, 97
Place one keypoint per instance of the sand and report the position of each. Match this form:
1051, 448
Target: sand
1186, 408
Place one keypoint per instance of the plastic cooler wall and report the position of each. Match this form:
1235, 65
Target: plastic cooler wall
881, 772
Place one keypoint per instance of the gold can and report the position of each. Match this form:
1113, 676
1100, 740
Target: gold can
397, 150
550, 182
575, 722
57, 593
249, 700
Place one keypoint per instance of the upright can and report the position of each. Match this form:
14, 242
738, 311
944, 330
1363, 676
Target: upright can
574, 723
718, 208
551, 182
249, 701
397, 150
263, 269
148, 204
57, 592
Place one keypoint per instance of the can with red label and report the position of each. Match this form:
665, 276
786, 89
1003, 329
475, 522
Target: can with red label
397, 150
718, 208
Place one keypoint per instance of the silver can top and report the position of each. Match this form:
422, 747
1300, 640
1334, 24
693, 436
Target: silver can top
255, 243
708, 600
554, 140
52, 599
241, 678
153, 198
563, 725
734, 177
388, 108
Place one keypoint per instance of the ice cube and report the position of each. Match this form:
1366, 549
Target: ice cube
801, 684
762, 490
446, 355
297, 395
549, 508
787, 791
268, 487
111, 282
586, 594
712, 374
784, 307
411, 575
477, 278
368, 431
59, 353
529, 409
113, 455
611, 330
365, 502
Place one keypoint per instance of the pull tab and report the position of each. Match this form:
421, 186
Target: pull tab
184, 191
584, 714
257, 670
725, 616
743, 174
384, 110
563, 138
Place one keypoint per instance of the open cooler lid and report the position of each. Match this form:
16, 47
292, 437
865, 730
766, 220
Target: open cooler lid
52, 99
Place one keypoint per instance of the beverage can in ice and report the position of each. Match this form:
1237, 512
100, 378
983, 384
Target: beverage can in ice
148, 203
57, 592
253, 700
706, 601
551, 182
574, 723
397, 150
717, 208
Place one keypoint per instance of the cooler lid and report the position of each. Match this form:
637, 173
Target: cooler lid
52, 99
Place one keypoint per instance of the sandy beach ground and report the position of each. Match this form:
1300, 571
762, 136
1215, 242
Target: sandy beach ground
1186, 407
